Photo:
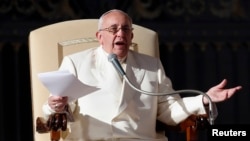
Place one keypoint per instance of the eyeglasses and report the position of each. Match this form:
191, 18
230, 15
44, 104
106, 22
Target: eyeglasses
114, 29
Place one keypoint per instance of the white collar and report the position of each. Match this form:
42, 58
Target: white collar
122, 60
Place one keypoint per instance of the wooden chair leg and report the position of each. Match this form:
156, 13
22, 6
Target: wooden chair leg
55, 135
191, 133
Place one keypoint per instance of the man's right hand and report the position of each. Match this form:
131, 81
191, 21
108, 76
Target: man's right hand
57, 103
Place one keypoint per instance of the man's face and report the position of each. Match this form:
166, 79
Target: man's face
116, 34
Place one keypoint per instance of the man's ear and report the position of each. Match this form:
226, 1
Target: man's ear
98, 36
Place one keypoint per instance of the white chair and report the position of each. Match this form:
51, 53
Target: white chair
49, 44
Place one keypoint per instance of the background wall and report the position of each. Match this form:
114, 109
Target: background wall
201, 42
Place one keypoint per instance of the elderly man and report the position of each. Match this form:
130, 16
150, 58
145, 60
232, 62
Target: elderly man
116, 111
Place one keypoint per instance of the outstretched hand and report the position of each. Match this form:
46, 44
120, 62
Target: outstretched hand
218, 93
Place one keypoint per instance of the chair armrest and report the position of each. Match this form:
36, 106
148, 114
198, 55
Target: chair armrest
191, 126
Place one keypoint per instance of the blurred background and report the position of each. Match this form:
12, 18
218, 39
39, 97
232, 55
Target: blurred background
201, 43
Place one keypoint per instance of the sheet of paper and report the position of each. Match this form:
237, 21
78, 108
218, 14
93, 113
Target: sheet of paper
63, 83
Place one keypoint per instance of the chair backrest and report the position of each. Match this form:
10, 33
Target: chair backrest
48, 45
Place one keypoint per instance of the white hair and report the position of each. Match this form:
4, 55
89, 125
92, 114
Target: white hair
100, 22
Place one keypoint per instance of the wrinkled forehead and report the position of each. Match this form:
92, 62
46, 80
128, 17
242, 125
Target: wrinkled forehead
117, 18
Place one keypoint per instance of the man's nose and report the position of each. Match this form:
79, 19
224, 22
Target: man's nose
120, 31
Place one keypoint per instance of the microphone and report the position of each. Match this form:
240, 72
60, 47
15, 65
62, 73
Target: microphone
113, 59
